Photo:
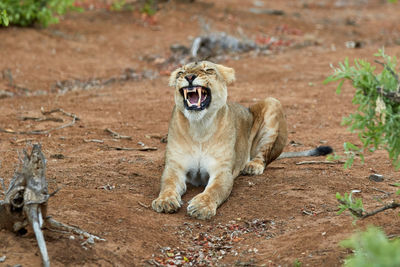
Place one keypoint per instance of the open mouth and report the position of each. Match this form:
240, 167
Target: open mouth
196, 97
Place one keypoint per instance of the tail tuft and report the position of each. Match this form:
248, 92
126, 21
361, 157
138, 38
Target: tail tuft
323, 150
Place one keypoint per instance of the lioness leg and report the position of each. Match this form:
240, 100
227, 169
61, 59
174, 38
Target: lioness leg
269, 135
204, 205
173, 186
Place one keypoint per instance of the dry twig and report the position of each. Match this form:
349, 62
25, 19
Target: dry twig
117, 135
362, 215
44, 132
145, 148
72, 115
143, 205
72, 229
93, 141
393, 205
39, 119
382, 191
319, 162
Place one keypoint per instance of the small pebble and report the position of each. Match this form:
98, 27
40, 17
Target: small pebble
376, 177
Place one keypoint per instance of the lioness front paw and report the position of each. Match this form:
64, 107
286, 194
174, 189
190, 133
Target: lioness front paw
202, 207
254, 168
167, 202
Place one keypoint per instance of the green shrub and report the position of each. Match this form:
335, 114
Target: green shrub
4, 18
149, 7
29, 12
377, 97
372, 248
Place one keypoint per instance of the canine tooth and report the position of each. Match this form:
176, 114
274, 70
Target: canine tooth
188, 102
199, 93
185, 94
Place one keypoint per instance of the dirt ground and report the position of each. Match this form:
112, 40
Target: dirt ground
286, 214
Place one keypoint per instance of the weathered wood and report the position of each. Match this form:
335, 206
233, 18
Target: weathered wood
25, 202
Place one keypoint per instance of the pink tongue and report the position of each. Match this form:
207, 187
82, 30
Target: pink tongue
193, 98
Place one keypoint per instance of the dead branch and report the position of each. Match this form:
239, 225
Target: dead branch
41, 132
25, 202
393, 205
143, 205
362, 215
382, 191
72, 229
117, 135
72, 115
26, 198
145, 148
93, 141
40, 119
319, 162
23, 140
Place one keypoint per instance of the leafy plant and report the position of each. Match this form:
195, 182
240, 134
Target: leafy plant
4, 18
28, 12
372, 248
149, 7
121, 5
297, 263
377, 97
347, 203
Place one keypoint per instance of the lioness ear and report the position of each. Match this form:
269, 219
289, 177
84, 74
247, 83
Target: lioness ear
172, 78
228, 74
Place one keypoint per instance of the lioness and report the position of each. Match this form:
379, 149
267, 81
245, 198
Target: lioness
210, 141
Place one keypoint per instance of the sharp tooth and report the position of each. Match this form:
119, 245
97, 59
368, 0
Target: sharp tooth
199, 93
188, 102
185, 93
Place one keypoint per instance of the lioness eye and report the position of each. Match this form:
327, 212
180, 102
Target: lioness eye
210, 71
179, 74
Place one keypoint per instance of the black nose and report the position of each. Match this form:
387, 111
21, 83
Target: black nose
190, 78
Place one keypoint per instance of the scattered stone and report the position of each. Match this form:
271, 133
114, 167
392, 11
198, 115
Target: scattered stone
178, 48
3, 259
207, 245
5, 94
376, 177
275, 12
107, 187
354, 44
57, 156
215, 44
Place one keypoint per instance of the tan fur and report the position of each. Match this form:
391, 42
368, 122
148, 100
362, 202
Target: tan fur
217, 143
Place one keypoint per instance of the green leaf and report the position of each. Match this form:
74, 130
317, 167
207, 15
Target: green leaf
372, 248
375, 129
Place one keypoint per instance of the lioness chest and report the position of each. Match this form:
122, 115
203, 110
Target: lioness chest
224, 145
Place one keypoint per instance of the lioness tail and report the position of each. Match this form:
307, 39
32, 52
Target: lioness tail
319, 151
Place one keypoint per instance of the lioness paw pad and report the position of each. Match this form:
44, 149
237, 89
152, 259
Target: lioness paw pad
168, 203
201, 207
253, 168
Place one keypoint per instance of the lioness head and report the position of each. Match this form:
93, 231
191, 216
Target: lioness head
200, 87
